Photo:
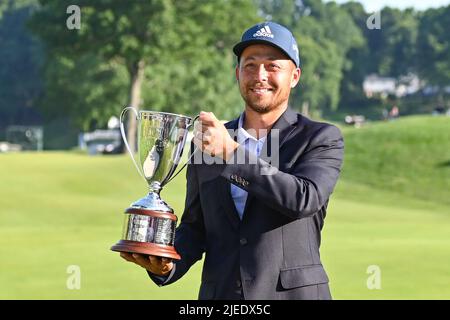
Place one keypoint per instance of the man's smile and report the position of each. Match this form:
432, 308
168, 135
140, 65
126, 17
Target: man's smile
261, 90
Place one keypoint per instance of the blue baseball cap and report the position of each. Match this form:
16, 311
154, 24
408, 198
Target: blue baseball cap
273, 34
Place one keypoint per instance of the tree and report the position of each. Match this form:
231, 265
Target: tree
325, 34
318, 89
21, 56
85, 89
434, 46
388, 51
129, 33
199, 74
178, 51
395, 52
360, 63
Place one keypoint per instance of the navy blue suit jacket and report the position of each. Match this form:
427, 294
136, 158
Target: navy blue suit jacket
273, 252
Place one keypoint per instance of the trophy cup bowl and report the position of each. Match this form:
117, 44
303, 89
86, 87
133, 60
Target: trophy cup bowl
149, 226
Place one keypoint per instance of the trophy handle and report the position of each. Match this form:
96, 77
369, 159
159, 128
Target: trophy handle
192, 154
124, 137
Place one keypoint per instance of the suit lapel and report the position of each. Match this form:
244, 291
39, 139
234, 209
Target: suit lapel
280, 131
224, 187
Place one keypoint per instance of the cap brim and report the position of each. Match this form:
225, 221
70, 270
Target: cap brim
240, 47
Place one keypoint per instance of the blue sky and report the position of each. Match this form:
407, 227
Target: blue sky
375, 5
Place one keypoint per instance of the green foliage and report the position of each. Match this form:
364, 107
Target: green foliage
113, 34
434, 46
396, 51
358, 64
120, 30
20, 59
60, 134
321, 75
86, 89
325, 34
184, 46
199, 73
388, 51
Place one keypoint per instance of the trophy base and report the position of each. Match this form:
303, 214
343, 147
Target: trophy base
146, 249
148, 232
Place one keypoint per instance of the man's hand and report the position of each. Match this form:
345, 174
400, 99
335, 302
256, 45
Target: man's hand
157, 265
213, 138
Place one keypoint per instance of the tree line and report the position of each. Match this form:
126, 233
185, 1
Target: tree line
176, 56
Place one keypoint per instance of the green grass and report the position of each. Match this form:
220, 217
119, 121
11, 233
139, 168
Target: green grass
410, 157
391, 209
62, 209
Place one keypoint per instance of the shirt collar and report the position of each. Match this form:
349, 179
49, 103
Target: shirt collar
243, 135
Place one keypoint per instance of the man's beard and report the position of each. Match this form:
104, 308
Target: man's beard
262, 107
257, 107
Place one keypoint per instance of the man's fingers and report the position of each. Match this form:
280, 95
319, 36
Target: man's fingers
207, 118
204, 136
141, 260
208, 115
166, 260
198, 135
203, 125
127, 256
153, 260
198, 126
198, 143
159, 261
157, 265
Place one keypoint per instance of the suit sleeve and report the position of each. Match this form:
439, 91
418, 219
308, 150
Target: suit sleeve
190, 234
308, 185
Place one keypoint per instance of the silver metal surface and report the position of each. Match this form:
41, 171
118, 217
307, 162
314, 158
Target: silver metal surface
161, 140
143, 228
152, 202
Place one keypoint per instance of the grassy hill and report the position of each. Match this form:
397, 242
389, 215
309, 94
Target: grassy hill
390, 209
409, 157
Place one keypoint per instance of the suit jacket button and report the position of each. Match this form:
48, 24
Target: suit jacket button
243, 241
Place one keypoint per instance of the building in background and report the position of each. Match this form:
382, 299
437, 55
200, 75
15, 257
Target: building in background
375, 85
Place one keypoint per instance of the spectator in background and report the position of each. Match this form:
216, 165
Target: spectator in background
394, 113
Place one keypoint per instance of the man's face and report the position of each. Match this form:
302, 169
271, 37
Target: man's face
266, 77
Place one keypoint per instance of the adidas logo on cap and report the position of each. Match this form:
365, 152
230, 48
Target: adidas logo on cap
264, 32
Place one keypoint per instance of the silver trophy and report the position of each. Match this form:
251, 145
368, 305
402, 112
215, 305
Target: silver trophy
149, 226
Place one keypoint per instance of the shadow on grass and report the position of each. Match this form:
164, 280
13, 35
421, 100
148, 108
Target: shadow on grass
444, 164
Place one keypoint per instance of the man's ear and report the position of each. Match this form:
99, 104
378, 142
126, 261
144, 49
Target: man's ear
296, 73
237, 72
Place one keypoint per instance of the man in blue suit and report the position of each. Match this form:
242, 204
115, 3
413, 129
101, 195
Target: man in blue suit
258, 213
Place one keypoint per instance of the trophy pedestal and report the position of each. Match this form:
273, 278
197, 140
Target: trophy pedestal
148, 232
146, 249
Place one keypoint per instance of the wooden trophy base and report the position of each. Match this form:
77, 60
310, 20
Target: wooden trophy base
146, 249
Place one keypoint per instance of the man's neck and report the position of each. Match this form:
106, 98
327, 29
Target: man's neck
261, 122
